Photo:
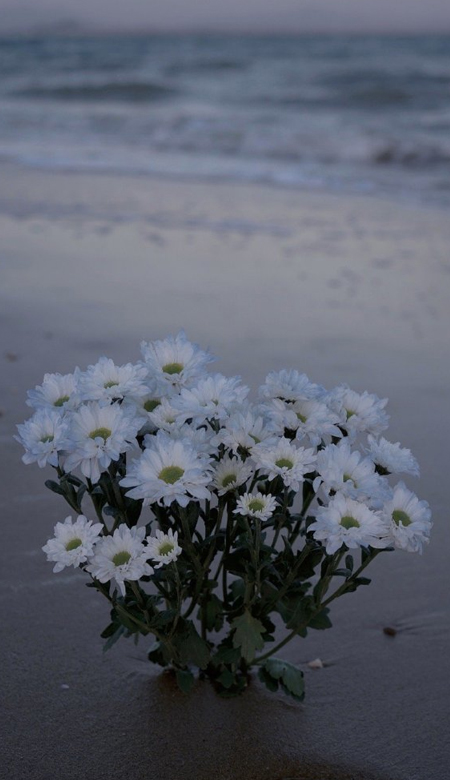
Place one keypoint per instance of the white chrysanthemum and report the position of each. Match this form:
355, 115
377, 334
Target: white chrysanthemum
212, 398
311, 418
58, 391
73, 543
256, 505
166, 417
359, 412
163, 548
289, 385
284, 460
98, 435
231, 473
168, 470
409, 519
349, 522
44, 437
343, 470
242, 430
392, 458
201, 439
121, 557
175, 361
106, 382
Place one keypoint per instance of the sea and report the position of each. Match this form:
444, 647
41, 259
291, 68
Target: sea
364, 114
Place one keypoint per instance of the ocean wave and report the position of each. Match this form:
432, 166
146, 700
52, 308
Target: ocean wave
410, 156
133, 92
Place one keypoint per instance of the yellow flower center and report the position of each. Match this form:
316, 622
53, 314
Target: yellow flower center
348, 522
171, 474
399, 516
73, 544
121, 557
228, 480
61, 401
166, 548
102, 433
173, 368
151, 404
256, 505
284, 463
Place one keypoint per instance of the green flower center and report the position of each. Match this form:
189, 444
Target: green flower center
256, 505
110, 384
255, 438
102, 433
151, 404
45, 439
228, 480
349, 413
301, 417
284, 463
166, 548
171, 474
121, 557
349, 522
73, 544
61, 401
173, 368
399, 516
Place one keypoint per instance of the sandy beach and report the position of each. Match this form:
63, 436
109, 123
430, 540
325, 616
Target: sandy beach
345, 288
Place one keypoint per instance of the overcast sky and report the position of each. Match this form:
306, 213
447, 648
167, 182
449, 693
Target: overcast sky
234, 15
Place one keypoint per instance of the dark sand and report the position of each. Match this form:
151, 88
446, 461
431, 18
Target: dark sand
345, 290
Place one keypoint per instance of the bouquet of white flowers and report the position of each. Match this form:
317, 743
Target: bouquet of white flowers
214, 514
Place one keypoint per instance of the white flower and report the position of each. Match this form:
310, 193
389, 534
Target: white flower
168, 470
175, 361
242, 430
289, 385
349, 522
121, 557
256, 505
392, 458
99, 434
165, 416
310, 418
212, 398
73, 542
342, 469
163, 548
284, 460
58, 391
409, 519
106, 382
231, 473
359, 412
43, 436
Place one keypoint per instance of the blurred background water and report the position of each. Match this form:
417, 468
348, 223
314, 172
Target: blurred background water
350, 113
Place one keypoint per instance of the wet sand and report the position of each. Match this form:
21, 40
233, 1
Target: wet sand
345, 289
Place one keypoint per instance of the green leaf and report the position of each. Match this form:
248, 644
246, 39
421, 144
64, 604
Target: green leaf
227, 678
185, 680
321, 621
237, 589
362, 581
247, 635
268, 681
226, 655
53, 486
212, 613
113, 638
192, 648
290, 678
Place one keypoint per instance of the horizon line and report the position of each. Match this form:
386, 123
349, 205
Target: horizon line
73, 29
